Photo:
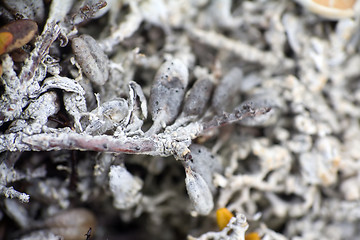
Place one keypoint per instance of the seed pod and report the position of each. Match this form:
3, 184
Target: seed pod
196, 100
93, 61
199, 192
16, 34
226, 91
71, 224
204, 163
167, 91
115, 110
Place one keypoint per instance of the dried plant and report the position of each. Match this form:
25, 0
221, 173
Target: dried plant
109, 110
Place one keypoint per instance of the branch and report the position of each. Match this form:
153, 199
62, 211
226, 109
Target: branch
243, 50
163, 144
42, 45
76, 141
238, 114
10, 192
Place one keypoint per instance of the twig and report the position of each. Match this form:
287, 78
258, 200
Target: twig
238, 114
163, 144
43, 43
245, 51
75, 141
124, 30
10, 192
18, 92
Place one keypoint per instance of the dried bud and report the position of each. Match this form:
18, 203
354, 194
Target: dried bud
16, 34
204, 163
199, 192
167, 91
93, 61
196, 100
225, 92
115, 110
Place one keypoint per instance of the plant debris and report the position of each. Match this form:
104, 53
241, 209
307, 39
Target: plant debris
158, 119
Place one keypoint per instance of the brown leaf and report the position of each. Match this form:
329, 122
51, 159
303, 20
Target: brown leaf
6, 39
22, 31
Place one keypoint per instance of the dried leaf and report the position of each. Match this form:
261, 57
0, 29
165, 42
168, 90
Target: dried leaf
252, 236
199, 192
22, 31
223, 216
5, 40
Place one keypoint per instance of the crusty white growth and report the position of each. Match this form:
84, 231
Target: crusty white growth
294, 167
28, 9
43, 107
124, 187
107, 116
58, 82
58, 10
235, 230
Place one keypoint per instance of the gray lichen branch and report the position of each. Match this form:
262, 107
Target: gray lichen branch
163, 144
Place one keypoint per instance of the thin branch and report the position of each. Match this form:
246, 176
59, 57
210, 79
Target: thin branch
10, 192
238, 114
43, 43
163, 144
76, 141
243, 50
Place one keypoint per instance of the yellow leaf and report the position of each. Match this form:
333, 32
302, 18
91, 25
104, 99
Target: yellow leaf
252, 236
5, 40
223, 216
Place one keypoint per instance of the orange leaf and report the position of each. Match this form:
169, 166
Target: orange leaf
22, 32
5, 40
337, 4
223, 216
252, 236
